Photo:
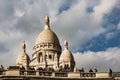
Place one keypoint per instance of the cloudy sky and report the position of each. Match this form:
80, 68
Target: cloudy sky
92, 28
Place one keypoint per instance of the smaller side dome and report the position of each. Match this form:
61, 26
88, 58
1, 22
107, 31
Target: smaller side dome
66, 59
23, 59
66, 54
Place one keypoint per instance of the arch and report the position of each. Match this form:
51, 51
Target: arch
40, 57
65, 66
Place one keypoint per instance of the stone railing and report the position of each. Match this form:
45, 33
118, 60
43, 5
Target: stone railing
43, 73
27, 72
38, 73
64, 74
115, 74
61, 74
87, 74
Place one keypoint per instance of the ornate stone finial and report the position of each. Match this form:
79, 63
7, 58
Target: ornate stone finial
24, 46
47, 20
66, 44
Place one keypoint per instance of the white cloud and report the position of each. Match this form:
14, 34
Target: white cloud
79, 26
118, 26
103, 8
19, 13
103, 60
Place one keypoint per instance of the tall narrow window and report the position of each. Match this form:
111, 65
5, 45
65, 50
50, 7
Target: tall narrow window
38, 57
50, 56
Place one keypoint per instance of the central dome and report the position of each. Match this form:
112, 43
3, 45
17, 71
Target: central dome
47, 35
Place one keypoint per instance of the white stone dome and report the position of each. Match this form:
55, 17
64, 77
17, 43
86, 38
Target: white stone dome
47, 35
66, 54
23, 58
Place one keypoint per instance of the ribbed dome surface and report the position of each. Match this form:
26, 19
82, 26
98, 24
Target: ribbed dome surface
47, 36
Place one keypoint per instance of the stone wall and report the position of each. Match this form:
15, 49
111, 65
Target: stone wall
12, 73
102, 75
74, 75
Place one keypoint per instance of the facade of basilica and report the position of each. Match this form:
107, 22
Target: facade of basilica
47, 53
49, 62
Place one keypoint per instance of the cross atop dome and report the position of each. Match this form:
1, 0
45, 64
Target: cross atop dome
47, 21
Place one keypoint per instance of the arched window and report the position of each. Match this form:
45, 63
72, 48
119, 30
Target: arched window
50, 56
67, 66
38, 57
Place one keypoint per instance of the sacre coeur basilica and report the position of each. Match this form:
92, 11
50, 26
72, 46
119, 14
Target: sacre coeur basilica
49, 62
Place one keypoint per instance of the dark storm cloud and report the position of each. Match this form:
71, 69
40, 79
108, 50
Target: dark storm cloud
29, 25
6, 10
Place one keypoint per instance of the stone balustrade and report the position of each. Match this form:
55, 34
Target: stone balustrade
88, 74
38, 73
